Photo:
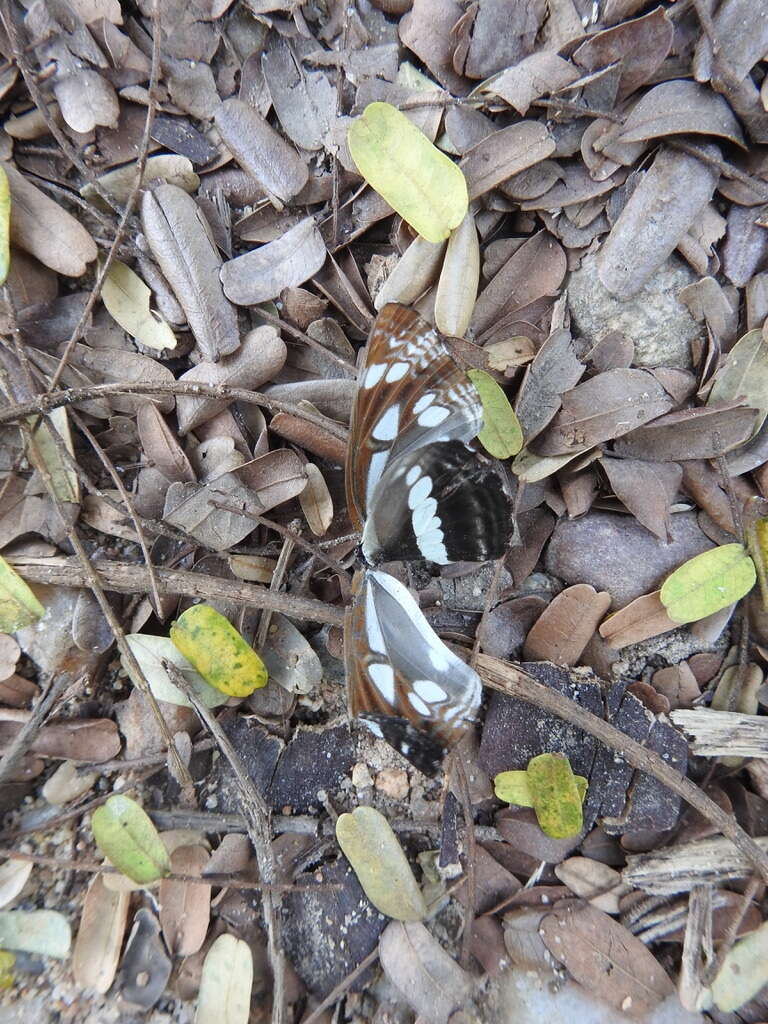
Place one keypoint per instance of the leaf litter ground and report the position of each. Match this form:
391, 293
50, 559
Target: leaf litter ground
197, 251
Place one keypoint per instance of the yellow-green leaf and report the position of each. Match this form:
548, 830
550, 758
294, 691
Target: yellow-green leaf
502, 435
213, 646
125, 834
7, 961
422, 184
225, 983
557, 797
44, 453
513, 788
5, 226
372, 848
18, 605
744, 971
708, 582
127, 300
744, 374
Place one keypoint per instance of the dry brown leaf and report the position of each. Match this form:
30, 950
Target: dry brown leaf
427, 29
671, 195
641, 619
261, 151
99, 939
430, 980
601, 408
459, 277
565, 627
43, 229
646, 488
161, 447
185, 908
181, 243
606, 959
119, 366
593, 881
415, 271
259, 359
263, 273
702, 433
639, 47
504, 153
95, 739
86, 100
316, 502
680, 106
539, 74
304, 101
554, 370
309, 436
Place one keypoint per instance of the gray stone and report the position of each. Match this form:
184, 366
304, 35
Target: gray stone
656, 320
615, 553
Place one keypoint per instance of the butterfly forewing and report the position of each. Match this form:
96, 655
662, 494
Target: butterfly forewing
398, 668
410, 394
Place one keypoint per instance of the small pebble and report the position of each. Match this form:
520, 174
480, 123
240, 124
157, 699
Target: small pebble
393, 782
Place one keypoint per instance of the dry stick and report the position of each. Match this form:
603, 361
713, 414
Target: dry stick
274, 585
341, 988
21, 742
130, 579
500, 675
195, 389
95, 867
733, 927
257, 815
471, 873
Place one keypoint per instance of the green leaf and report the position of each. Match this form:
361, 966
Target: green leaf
151, 652
225, 983
5, 226
422, 184
127, 300
43, 451
35, 931
372, 848
18, 605
708, 582
557, 796
214, 647
126, 836
7, 962
502, 435
744, 971
513, 788
744, 374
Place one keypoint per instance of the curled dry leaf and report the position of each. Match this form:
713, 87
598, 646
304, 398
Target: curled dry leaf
263, 273
310, 437
430, 980
185, 907
680, 106
225, 983
261, 151
606, 959
316, 502
505, 153
180, 240
566, 626
416, 270
161, 446
259, 359
418, 181
668, 200
641, 619
167, 167
43, 229
459, 277
372, 848
100, 936
127, 300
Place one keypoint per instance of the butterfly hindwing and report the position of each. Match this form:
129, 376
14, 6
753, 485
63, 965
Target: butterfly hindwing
398, 668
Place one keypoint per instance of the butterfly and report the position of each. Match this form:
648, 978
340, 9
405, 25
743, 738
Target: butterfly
417, 490
414, 486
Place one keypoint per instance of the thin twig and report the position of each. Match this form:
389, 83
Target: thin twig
733, 928
465, 799
257, 815
195, 389
343, 986
274, 585
283, 325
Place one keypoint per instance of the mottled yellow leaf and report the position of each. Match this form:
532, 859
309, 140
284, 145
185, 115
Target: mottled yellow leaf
213, 646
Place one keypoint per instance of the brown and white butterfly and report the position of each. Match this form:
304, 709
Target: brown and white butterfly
418, 491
